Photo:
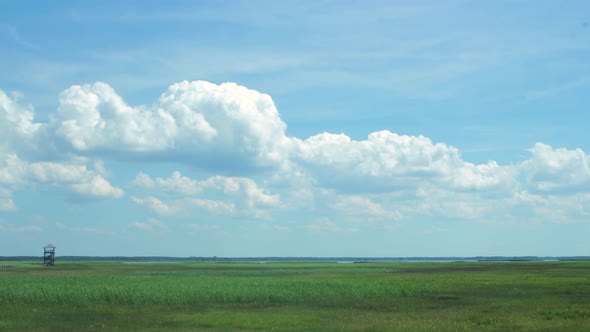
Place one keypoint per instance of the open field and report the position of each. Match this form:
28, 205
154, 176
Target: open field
486, 296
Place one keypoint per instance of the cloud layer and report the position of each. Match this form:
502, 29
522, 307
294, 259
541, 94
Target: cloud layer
236, 136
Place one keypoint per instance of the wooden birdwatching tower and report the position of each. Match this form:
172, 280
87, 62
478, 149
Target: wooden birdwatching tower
49, 255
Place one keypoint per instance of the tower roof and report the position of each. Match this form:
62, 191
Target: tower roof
49, 246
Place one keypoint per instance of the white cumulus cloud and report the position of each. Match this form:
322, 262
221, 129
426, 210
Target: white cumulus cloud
17, 128
243, 193
550, 170
244, 188
185, 206
362, 209
72, 179
155, 205
388, 161
199, 123
176, 184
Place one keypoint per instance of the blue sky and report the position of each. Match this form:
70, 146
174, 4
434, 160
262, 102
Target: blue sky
295, 128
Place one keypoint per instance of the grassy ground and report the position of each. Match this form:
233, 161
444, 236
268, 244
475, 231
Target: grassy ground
514, 296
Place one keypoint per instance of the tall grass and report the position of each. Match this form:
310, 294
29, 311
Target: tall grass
175, 290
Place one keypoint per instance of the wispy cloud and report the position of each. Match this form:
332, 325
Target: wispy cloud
151, 225
11, 228
324, 226
558, 89
19, 39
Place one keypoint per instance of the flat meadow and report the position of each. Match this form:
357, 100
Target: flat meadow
455, 296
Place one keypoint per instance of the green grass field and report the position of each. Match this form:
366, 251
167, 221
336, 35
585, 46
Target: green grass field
490, 296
